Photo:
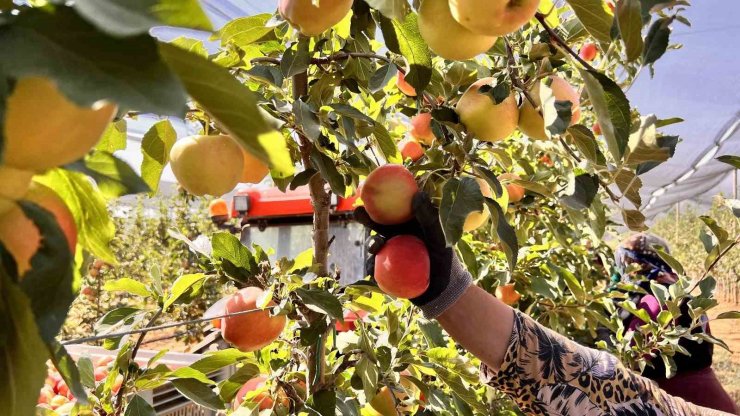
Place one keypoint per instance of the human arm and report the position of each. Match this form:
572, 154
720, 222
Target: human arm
544, 372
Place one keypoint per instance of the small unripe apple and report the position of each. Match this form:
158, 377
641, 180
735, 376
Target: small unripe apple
402, 267
531, 122
588, 52
421, 128
597, 129
404, 86
387, 194
516, 192
484, 118
445, 36
410, 149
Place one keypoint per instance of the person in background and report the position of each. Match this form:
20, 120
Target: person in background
542, 371
218, 211
637, 262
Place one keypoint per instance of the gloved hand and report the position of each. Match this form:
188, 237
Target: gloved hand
448, 278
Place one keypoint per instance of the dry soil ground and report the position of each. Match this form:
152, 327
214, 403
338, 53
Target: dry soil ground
727, 364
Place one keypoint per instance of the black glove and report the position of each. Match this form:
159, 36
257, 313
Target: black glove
448, 279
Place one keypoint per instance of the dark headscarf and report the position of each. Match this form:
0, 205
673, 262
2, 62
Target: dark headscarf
642, 249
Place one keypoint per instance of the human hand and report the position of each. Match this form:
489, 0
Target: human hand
447, 277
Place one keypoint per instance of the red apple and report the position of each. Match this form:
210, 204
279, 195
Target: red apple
410, 149
421, 128
588, 52
402, 267
349, 320
387, 194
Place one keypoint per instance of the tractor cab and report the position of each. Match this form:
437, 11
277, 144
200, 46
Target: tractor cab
282, 221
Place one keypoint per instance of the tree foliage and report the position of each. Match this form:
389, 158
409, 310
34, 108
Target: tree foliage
325, 110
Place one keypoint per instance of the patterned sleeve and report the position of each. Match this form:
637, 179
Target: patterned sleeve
547, 374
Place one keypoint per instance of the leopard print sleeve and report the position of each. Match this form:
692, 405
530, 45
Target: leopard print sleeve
547, 374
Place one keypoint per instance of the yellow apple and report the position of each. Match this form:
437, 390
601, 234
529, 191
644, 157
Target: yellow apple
531, 122
313, 19
207, 165
485, 119
445, 36
493, 17
476, 219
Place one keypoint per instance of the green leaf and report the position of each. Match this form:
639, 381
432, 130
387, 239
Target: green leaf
114, 137
659, 291
656, 41
95, 229
629, 20
612, 111
505, 232
48, 284
156, 146
594, 18
115, 316
128, 285
468, 257
572, 282
67, 368
138, 406
219, 359
87, 372
89, 65
302, 178
581, 191
368, 373
733, 161
227, 246
460, 197
296, 61
629, 184
328, 171
22, 352
729, 315
670, 260
114, 177
719, 232
219, 93
432, 333
307, 119
586, 143
385, 143
323, 402
244, 31
634, 220
392, 9
135, 17
321, 301
733, 205
199, 393
182, 287
630, 307
191, 373
228, 388
403, 37
381, 77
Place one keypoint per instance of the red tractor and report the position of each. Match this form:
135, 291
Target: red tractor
282, 221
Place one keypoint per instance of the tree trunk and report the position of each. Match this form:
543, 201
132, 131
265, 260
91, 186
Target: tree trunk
320, 200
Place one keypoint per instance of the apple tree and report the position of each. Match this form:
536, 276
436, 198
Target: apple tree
514, 120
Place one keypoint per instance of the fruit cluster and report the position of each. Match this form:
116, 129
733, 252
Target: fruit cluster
29, 148
55, 393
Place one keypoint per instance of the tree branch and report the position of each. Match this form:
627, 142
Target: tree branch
127, 373
320, 200
555, 37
